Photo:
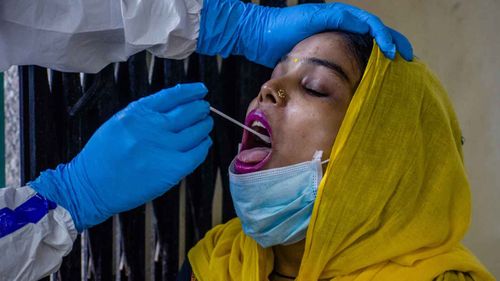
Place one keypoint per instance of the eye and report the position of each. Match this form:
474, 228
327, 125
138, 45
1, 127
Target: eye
314, 92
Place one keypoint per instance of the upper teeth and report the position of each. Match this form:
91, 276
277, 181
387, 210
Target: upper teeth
258, 124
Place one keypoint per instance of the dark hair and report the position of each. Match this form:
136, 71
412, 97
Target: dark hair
360, 46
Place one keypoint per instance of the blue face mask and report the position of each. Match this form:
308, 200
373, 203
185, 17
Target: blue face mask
275, 205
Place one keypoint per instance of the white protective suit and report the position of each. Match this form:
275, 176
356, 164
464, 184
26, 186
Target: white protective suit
87, 35
75, 36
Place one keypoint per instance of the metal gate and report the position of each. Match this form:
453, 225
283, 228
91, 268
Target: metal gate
59, 113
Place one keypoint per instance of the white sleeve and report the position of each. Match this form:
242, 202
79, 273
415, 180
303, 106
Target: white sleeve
35, 234
87, 35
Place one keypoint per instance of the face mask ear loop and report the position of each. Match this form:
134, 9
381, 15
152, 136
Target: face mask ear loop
317, 156
319, 170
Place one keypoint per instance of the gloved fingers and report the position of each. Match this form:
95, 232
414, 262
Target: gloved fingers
166, 99
403, 45
383, 36
185, 115
356, 20
194, 157
194, 135
349, 22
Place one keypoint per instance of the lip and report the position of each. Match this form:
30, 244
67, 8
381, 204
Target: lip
241, 167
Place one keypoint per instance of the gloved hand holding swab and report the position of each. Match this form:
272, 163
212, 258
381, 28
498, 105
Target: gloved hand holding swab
261, 136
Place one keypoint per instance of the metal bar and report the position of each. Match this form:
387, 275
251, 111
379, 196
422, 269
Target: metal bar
2, 133
117, 249
149, 243
226, 135
65, 91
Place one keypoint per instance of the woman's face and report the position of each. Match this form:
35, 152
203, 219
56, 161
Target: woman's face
318, 78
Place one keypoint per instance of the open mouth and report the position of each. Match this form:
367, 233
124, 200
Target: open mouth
254, 152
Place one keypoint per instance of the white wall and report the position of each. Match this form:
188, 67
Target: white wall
460, 40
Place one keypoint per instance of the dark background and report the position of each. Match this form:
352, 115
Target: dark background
59, 113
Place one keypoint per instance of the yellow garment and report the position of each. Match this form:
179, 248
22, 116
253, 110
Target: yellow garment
394, 202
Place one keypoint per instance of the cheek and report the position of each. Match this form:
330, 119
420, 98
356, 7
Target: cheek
321, 137
314, 130
326, 142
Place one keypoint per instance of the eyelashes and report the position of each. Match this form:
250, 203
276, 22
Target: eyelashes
314, 92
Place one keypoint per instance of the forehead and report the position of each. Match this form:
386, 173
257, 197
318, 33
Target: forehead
326, 44
330, 46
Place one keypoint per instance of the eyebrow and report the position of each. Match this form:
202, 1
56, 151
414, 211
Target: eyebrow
328, 64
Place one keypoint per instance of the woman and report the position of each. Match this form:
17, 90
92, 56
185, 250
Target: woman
394, 201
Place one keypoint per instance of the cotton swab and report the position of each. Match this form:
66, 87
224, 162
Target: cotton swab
261, 136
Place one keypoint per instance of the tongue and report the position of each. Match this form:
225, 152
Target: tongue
254, 155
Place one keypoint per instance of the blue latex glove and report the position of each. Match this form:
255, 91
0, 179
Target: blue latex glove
265, 34
137, 155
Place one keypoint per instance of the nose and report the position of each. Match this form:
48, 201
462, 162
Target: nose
272, 93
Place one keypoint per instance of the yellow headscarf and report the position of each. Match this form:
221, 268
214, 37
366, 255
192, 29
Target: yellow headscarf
394, 202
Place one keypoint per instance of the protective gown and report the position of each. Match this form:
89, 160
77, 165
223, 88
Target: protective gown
394, 202
88, 37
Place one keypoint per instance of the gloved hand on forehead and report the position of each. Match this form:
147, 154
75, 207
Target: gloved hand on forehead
136, 156
265, 34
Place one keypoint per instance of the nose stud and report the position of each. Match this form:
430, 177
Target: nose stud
281, 93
